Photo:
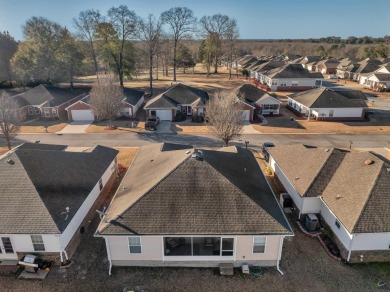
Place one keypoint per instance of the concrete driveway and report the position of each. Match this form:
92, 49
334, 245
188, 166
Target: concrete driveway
164, 127
75, 128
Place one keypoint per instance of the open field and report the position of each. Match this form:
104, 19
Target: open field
121, 127
3, 150
197, 79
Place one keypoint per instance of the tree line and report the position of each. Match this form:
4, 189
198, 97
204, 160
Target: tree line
118, 41
335, 40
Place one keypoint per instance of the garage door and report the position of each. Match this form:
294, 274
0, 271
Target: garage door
164, 115
82, 115
246, 115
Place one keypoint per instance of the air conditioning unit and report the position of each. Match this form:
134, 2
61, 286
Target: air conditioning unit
311, 222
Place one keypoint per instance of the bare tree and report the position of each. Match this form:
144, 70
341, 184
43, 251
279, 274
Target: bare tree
181, 21
149, 34
86, 24
225, 115
10, 118
106, 97
230, 45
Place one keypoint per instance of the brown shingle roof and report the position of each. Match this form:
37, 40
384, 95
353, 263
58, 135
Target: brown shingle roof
350, 189
300, 164
223, 193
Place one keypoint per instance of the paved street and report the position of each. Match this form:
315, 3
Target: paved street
139, 139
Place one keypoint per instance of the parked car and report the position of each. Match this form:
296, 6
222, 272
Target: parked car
333, 77
264, 149
152, 123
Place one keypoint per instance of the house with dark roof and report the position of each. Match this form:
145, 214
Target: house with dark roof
179, 206
291, 77
327, 104
47, 101
379, 80
179, 99
256, 101
349, 191
82, 110
48, 196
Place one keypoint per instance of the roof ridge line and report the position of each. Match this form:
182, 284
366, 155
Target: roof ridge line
147, 192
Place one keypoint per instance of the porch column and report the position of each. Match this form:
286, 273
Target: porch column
309, 115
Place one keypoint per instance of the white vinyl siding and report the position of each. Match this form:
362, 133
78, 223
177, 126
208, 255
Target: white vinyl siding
37, 242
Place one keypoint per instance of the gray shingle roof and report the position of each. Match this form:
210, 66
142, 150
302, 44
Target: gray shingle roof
324, 98
43, 181
224, 193
293, 71
132, 96
250, 93
54, 96
178, 94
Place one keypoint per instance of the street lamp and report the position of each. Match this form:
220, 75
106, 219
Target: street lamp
246, 144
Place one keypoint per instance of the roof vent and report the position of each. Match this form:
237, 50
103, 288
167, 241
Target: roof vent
10, 161
188, 152
296, 178
198, 155
369, 162
326, 150
338, 197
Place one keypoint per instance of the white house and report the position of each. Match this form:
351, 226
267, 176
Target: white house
177, 206
349, 191
291, 77
48, 195
326, 104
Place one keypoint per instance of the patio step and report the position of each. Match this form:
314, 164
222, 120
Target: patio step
226, 269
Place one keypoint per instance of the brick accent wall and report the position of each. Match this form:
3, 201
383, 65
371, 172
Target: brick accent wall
370, 256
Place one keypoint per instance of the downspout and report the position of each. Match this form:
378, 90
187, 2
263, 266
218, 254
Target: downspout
350, 250
108, 256
66, 254
280, 255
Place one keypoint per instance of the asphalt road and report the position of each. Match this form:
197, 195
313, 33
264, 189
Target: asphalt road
139, 139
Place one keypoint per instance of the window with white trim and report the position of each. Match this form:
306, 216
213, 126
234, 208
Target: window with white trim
134, 244
30, 111
37, 242
37, 110
259, 244
54, 112
47, 112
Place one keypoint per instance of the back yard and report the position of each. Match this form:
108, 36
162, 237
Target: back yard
306, 265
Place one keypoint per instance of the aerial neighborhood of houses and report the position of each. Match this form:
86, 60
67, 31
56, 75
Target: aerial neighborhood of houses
180, 205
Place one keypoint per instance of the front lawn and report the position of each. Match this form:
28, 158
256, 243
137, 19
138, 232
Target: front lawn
120, 127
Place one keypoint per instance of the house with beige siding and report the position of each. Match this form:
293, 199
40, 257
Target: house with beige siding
48, 197
179, 206
349, 192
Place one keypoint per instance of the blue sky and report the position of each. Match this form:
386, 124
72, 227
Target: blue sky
257, 19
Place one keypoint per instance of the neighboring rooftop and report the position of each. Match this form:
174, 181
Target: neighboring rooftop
354, 185
41, 94
194, 192
38, 182
293, 71
325, 98
132, 96
179, 94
